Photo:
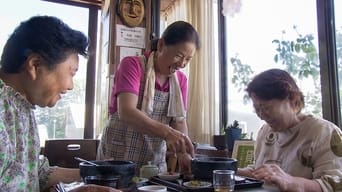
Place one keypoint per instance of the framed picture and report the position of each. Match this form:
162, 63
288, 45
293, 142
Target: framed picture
243, 151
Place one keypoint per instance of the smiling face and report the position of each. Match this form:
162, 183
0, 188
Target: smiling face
171, 58
278, 114
132, 12
48, 85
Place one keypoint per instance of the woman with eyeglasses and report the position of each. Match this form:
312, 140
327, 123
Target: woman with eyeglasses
148, 103
294, 151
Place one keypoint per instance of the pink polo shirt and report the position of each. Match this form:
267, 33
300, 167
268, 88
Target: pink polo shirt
128, 77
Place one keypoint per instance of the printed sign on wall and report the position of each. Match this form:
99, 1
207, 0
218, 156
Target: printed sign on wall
130, 36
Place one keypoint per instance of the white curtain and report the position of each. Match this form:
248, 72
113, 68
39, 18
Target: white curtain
174, 12
203, 108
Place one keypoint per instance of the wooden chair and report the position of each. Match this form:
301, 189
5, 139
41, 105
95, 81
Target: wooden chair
61, 152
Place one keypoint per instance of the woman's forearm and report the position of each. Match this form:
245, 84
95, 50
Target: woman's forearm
302, 185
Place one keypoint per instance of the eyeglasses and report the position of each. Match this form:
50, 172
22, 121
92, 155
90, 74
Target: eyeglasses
262, 108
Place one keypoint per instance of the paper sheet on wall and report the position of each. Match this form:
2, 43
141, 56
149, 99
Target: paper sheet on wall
130, 36
129, 51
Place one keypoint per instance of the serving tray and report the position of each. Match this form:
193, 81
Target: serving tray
175, 186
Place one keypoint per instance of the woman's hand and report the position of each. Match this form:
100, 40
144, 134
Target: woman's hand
274, 174
178, 142
184, 162
94, 188
246, 172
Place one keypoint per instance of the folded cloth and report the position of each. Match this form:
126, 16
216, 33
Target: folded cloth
176, 106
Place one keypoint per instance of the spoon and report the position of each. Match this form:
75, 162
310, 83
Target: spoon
83, 160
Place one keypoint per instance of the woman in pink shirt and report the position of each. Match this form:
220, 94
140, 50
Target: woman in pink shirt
148, 102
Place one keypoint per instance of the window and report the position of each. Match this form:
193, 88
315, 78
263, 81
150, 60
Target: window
67, 118
338, 43
279, 35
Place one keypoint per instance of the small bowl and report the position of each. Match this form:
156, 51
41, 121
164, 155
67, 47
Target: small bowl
169, 176
104, 181
152, 188
139, 181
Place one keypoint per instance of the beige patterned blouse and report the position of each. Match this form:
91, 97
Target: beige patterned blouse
312, 149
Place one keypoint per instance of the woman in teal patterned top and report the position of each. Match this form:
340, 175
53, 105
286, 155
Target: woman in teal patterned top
37, 65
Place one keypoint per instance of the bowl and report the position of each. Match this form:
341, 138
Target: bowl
104, 181
152, 188
169, 176
124, 169
139, 181
202, 167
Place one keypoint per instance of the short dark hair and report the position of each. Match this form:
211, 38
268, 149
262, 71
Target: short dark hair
178, 32
275, 84
47, 36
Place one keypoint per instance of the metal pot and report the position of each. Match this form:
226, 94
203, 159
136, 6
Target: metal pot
202, 167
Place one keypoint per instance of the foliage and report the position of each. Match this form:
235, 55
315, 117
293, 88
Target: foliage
235, 125
225, 128
241, 76
300, 57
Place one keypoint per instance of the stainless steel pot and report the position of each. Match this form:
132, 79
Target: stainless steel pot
202, 167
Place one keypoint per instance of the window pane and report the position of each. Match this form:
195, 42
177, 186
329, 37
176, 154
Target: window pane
338, 26
268, 34
66, 119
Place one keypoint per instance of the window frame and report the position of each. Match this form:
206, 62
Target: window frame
328, 63
94, 6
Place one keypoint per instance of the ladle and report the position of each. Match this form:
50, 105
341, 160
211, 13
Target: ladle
83, 160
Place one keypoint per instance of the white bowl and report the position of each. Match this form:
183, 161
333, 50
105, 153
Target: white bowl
153, 188
169, 176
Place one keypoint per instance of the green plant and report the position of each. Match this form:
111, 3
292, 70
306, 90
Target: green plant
241, 76
299, 55
234, 125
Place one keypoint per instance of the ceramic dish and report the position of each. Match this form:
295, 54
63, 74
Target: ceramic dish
197, 184
152, 188
239, 179
139, 181
169, 176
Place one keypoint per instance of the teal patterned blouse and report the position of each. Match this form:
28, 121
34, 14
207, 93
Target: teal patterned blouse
19, 144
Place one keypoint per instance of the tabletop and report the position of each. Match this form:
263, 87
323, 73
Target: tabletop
264, 188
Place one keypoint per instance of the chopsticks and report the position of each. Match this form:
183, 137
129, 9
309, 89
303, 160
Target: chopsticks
59, 188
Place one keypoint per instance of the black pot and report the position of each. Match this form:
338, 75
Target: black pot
202, 167
220, 142
125, 170
104, 181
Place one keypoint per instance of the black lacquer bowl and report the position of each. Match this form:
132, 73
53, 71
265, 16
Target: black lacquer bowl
202, 167
125, 170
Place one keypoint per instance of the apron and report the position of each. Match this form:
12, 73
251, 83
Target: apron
122, 142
